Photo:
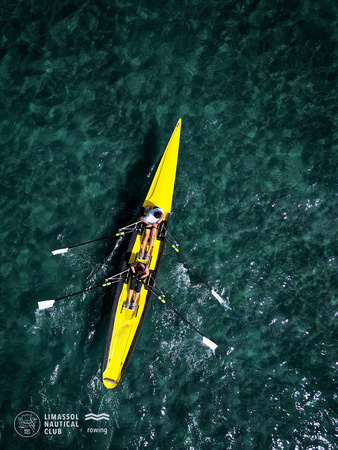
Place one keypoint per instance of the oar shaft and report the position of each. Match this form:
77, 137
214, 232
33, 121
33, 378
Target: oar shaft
120, 233
183, 318
173, 309
185, 259
91, 288
206, 341
84, 290
99, 239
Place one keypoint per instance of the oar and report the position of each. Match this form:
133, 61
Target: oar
49, 303
120, 233
206, 341
219, 298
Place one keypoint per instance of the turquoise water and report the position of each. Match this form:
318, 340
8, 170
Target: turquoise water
90, 94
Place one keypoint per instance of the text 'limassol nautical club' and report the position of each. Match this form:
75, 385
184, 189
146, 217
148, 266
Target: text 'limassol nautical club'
56, 423
53, 423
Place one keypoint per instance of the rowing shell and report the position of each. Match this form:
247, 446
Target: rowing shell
125, 325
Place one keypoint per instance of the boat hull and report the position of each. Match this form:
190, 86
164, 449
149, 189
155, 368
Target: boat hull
125, 325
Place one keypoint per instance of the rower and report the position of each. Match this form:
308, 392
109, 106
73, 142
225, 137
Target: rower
140, 272
152, 220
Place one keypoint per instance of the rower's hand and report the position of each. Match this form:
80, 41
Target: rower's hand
143, 220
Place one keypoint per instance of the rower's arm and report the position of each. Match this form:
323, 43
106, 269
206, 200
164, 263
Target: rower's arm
161, 218
146, 273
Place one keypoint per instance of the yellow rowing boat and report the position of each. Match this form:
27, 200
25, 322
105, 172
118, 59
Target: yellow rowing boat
125, 324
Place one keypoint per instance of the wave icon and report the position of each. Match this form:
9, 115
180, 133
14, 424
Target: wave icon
102, 416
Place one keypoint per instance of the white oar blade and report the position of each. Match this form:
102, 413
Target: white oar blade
219, 298
61, 250
46, 304
209, 343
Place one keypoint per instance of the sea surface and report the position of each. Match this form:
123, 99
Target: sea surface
90, 92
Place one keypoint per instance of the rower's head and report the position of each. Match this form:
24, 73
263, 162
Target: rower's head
140, 267
157, 214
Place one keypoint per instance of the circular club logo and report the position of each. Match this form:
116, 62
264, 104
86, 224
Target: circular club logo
27, 424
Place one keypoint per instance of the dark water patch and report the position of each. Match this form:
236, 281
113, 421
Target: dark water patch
90, 93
